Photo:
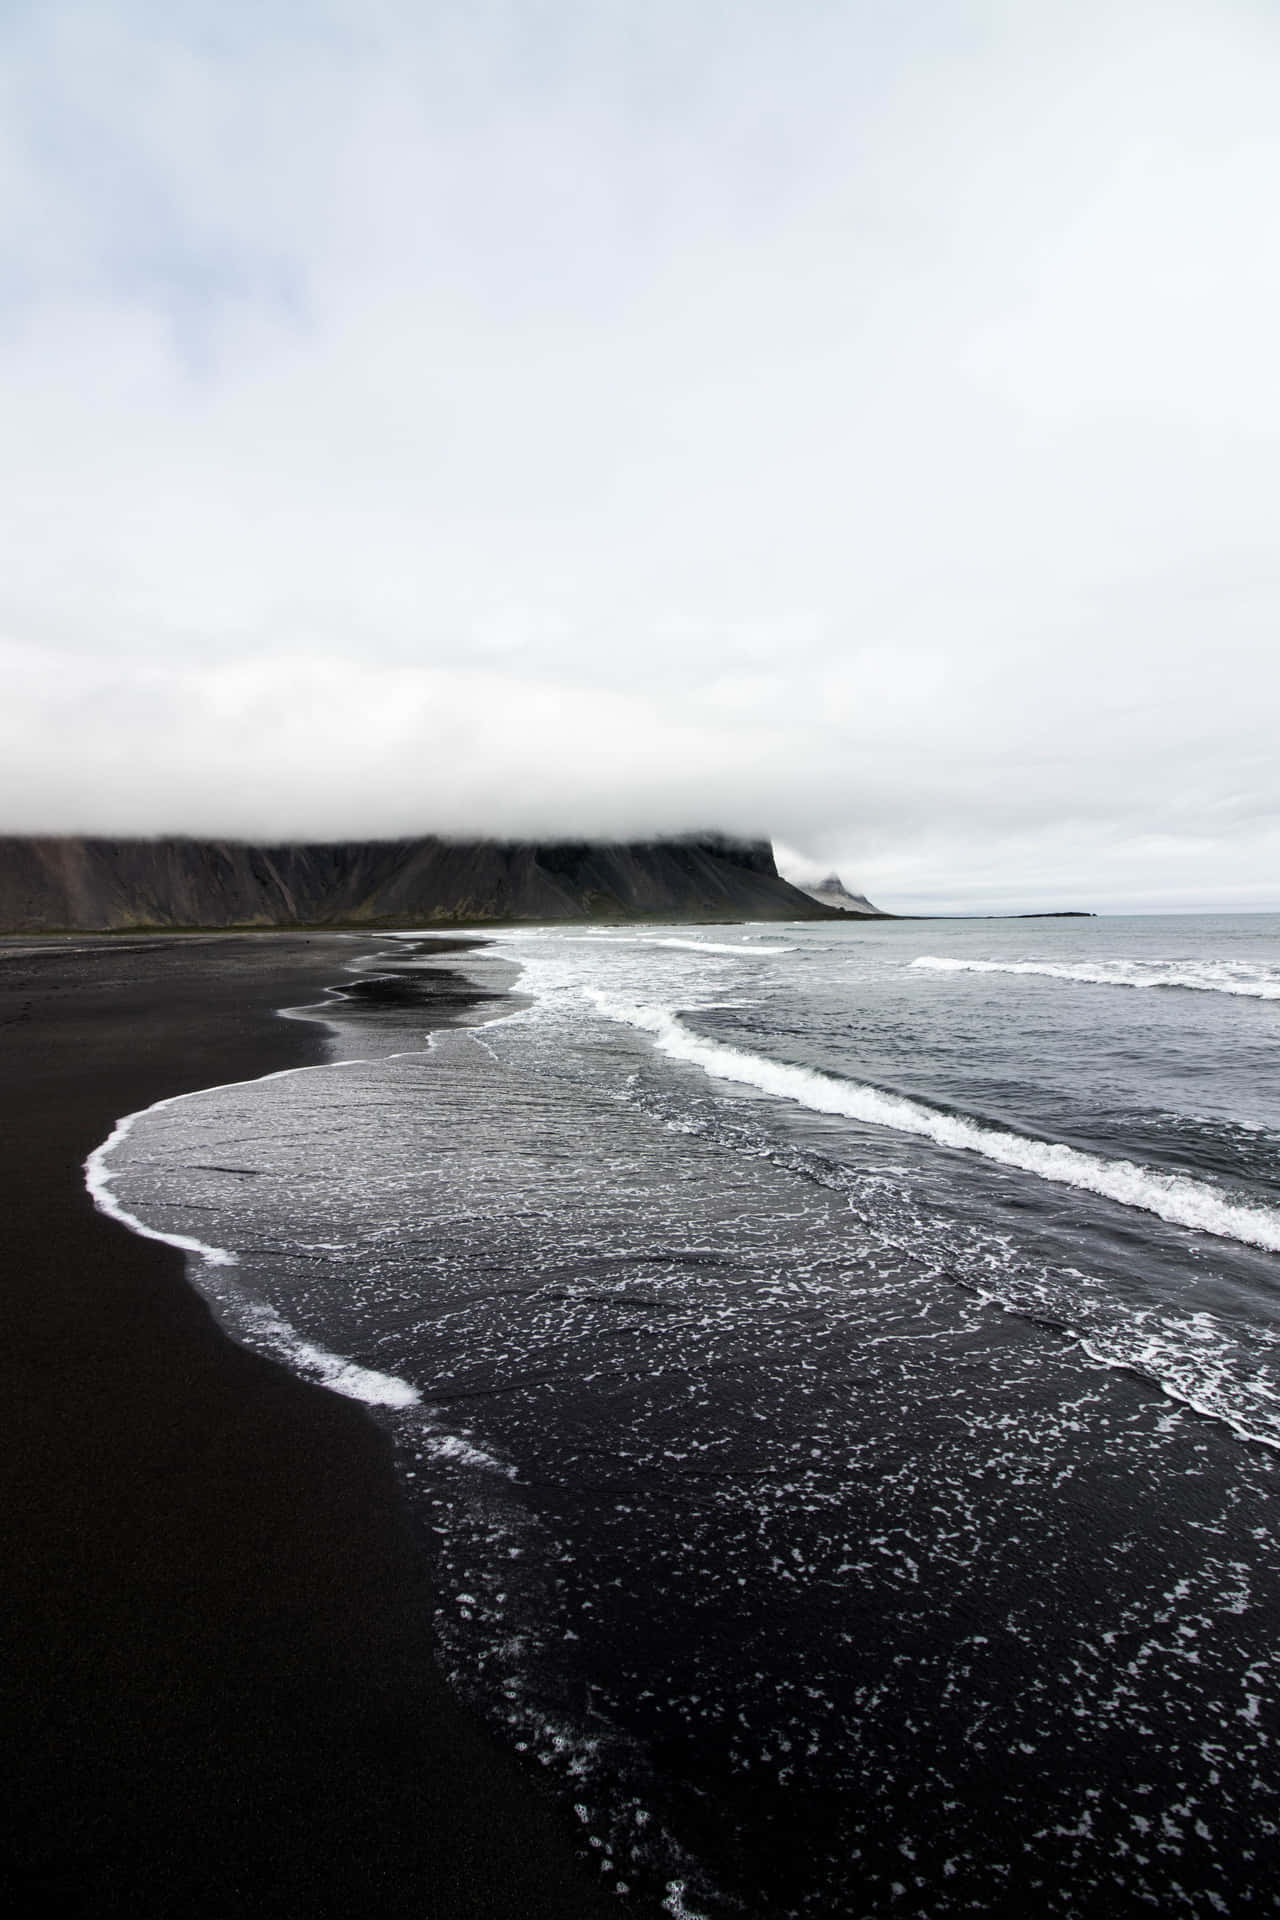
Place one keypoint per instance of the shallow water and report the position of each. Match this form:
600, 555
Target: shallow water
840, 1394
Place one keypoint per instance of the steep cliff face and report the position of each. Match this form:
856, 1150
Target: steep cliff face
84, 884
832, 892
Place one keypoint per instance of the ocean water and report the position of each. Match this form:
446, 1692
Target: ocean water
836, 1372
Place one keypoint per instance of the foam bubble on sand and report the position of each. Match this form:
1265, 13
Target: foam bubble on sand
1197, 976
1173, 1197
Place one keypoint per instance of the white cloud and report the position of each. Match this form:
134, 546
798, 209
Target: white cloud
854, 423
303, 744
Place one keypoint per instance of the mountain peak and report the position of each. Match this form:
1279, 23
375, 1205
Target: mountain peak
832, 892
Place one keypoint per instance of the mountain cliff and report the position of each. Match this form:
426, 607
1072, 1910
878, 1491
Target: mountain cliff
832, 892
75, 884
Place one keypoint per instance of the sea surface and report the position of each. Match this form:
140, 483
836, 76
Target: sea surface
836, 1371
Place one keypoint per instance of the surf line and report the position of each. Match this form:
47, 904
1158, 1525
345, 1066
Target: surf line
1171, 1197
1141, 974
331, 1370
340, 1375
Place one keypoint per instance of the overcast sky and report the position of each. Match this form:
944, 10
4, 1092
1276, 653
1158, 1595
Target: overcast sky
856, 423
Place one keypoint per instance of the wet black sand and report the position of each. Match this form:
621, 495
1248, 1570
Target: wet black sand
217, 1689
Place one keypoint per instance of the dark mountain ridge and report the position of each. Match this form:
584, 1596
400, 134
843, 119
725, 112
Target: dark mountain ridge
75, 884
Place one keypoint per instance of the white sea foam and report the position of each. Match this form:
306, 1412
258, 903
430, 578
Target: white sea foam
317, 1363
712, 946
452, 1447
1201, 1383
1199, 976
97, 1181
330, 1369
1173, 1197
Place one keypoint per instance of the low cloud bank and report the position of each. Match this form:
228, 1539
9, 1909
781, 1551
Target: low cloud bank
854, 424
299, 747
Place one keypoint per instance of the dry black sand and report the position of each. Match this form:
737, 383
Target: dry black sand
218, 1695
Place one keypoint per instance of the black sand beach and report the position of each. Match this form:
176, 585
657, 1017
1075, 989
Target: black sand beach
218, 1694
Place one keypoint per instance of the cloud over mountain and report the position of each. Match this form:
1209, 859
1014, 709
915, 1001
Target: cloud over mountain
855, 424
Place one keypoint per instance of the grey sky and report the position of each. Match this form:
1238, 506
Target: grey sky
859, 423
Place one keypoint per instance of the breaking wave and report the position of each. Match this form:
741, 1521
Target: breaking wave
1173, 1197
713, 946
1198, 976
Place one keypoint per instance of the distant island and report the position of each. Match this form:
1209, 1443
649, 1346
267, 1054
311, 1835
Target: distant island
87, 884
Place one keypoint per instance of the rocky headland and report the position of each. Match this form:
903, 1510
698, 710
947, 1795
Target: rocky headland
79, 884
832, 892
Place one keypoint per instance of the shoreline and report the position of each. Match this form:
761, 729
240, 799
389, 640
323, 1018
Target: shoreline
220, 1694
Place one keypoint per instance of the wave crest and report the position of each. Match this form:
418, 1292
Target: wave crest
713, 946
1173, 1197
1197, 976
